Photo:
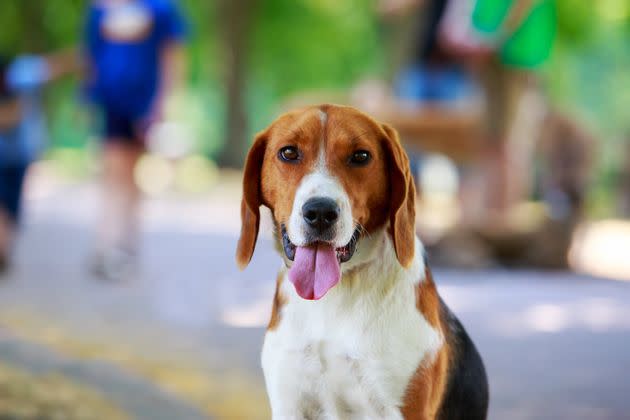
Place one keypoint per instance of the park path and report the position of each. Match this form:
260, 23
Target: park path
134, 395
556, 345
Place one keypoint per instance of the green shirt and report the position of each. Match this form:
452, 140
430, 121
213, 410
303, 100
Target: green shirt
530, 44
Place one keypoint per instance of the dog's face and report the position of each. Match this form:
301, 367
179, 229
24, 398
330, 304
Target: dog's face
330, 175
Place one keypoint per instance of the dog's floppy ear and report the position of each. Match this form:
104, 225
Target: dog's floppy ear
402, 212
251, 202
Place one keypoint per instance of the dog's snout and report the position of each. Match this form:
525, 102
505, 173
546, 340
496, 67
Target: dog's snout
320, 213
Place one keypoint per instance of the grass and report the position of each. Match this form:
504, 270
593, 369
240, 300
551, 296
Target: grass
26, 396
218, 394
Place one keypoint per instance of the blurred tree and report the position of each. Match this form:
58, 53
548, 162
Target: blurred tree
624, 182
279, 47
275, 48
38, 26
309, 44
247, 56
236, 18
32, 16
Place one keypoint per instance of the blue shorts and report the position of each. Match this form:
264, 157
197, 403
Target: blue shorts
424, 84
11, 185
123, 129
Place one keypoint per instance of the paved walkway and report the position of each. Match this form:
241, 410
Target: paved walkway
556, 345
137, 397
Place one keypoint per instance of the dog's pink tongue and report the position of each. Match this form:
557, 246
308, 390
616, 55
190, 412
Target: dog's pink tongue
315, 270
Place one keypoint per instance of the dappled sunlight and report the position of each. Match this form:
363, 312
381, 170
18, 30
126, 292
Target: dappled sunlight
218, 391
154, 174
460, 299
438, 209
170, 139
196, 174
208, 199
546, 318
595, 315
602, 249
602, 314
246, 316
614, 10
42, 396
157, 175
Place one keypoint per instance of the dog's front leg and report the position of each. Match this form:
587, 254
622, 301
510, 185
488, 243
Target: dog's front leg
304, 407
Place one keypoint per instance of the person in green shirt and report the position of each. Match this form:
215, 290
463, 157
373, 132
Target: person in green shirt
522, 30
519, 34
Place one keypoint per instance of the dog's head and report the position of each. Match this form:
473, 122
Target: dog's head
329, 175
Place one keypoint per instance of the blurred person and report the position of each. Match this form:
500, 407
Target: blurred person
505, 41
490, 47
22, 130
135, 60
500, 42
567, 151
467, 49
434, 76
425, 74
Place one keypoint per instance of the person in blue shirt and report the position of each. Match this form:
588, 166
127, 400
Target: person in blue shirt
134, 54
22, 130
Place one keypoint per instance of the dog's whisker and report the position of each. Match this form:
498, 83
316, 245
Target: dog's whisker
361, 229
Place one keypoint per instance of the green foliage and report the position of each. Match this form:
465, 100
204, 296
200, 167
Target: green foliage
294, 45
310, 44
301, 44
575, 20
298, 45
38, 26
588, 72
588, 77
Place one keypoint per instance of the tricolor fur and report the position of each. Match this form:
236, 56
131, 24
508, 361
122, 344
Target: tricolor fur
379, 343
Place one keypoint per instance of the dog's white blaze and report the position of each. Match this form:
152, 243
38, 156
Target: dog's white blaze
321, 157
351, 354
319, 183
323, 118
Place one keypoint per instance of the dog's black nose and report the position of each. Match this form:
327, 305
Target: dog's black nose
320, 213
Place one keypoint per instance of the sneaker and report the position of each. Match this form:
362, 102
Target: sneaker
117, 265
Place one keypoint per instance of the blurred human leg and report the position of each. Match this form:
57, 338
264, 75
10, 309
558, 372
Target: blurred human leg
117, 231
507, 164
118, 225
6, 233
11, 185
121, 196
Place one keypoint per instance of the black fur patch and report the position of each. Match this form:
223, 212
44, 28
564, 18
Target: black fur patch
466, 395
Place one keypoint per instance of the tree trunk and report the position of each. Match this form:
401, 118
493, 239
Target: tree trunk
235, 20
624, 183
35, 38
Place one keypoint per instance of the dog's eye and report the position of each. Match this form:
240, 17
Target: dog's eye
360, 158
289, 154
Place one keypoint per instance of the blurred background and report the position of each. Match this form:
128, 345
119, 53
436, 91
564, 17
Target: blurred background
119, 295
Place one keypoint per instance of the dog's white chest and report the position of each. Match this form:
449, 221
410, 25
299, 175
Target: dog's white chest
319, 381
344, 357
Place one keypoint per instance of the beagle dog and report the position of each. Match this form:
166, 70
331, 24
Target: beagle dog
357, 330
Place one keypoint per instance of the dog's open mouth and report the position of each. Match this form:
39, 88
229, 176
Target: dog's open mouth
343, 254
316, 266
